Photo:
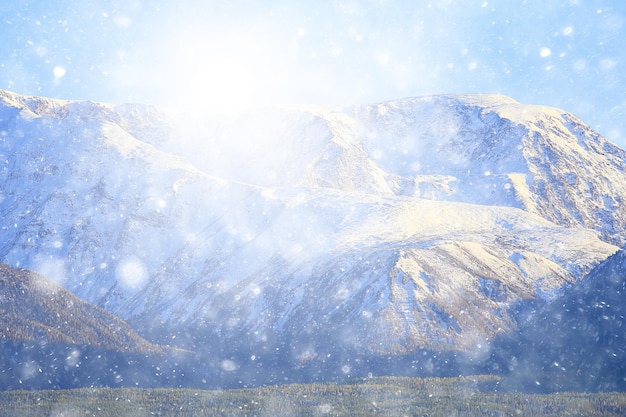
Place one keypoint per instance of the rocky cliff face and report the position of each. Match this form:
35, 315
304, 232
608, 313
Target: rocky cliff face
415, 224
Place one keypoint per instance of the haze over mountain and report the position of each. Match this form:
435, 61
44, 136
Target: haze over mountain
386, 229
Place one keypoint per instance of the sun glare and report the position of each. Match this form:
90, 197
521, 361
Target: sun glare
221, 76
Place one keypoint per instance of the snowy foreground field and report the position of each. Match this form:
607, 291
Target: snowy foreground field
469, 396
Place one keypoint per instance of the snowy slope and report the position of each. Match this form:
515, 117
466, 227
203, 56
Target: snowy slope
388, 288
400, 226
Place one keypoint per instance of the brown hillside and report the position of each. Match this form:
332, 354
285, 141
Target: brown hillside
35, 309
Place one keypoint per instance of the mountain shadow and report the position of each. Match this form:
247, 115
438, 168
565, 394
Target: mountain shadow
576, 343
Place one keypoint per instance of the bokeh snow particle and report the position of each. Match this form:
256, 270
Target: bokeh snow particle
131, 273
53, 268
228, 365
123, 21
59, 72
607, 64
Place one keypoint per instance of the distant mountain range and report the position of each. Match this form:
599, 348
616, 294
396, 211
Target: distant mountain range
320, 239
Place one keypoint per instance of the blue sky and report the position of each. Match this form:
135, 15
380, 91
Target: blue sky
569, 54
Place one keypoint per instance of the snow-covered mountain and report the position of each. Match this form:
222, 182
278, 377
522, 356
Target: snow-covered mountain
414, 224
480, 149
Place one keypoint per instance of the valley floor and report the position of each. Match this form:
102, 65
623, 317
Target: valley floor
389, 396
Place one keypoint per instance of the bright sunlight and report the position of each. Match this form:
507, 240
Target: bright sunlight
226, 74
